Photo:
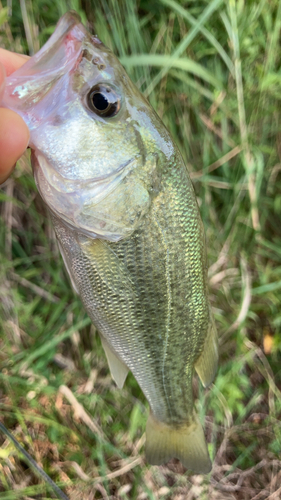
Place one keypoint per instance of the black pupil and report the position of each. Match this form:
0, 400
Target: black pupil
99, 101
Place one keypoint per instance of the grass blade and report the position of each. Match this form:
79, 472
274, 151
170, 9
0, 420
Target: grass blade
208, 35
169, 62
212, 7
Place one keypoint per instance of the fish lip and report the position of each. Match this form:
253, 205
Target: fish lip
70, 18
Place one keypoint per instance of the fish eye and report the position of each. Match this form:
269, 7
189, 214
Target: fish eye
103, 100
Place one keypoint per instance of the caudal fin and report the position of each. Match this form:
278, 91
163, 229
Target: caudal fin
187, 443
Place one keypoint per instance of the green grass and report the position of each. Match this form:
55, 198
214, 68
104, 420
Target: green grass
211, 69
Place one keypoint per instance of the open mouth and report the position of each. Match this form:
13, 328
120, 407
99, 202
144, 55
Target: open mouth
27, 86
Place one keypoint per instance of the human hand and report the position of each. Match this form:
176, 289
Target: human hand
14, 134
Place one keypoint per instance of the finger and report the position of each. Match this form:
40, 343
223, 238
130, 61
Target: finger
14, 137
2, 81
14, 134
12, 61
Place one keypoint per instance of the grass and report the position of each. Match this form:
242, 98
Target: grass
212, 71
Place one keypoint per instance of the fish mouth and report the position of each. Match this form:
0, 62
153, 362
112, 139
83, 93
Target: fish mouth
26, 88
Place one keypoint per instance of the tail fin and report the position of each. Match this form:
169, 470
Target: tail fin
187, 443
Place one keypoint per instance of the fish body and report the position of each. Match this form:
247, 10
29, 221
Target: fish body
128, 227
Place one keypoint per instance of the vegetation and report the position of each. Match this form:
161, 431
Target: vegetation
211, 69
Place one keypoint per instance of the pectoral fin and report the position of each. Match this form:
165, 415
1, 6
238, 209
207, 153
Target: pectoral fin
207, 363
118, 369
187, 443
67, 267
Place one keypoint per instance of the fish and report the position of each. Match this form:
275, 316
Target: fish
128, 227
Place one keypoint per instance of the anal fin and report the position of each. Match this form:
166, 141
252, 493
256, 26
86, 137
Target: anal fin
186, 442
206, 365
118, 369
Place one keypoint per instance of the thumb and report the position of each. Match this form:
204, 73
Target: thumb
14, 135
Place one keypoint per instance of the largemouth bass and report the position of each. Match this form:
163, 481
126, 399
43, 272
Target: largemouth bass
128, 227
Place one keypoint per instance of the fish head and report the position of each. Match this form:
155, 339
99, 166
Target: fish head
94, 136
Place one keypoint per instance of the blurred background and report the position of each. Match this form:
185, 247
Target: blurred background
211, 69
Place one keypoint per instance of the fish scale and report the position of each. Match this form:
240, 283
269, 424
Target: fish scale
143, 315
128, 226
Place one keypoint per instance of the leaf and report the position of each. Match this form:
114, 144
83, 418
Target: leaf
136, 421
3, 15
